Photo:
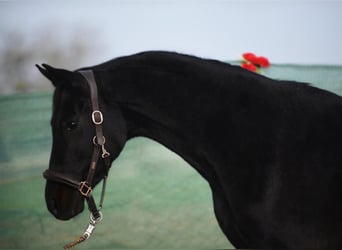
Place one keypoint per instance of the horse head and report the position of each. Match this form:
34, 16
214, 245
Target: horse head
73, 133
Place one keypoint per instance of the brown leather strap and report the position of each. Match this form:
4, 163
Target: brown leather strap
62, 178
93, 164
97, 116
99, 140
97, 119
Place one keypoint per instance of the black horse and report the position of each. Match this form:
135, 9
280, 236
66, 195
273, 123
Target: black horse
270, 150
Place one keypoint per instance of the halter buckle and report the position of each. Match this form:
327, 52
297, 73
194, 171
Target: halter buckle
97, 117
84, 189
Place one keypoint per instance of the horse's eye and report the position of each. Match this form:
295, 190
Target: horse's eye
71, 125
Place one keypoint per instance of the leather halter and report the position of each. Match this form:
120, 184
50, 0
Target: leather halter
85, 187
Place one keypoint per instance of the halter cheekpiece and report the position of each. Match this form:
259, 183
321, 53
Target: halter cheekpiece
85, 187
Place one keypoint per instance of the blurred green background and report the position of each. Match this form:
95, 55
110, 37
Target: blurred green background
154, 199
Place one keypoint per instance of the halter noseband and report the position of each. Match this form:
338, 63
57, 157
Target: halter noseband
85, 187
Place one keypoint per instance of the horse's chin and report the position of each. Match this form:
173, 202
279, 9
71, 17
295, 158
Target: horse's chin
67, 215
63, 202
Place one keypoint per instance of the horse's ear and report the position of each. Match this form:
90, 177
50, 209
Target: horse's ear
56, 76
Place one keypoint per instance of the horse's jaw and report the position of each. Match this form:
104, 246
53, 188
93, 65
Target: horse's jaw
62, 201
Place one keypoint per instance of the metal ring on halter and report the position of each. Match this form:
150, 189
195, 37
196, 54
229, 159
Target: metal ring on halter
95, 221
100, 116
95, 143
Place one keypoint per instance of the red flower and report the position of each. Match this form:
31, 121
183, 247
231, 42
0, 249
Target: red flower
250, 57
249, 66
253, 62
262, 62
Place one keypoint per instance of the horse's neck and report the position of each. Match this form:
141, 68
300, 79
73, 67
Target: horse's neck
168, 108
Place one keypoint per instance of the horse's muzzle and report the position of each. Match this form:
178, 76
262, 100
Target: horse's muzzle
62, 201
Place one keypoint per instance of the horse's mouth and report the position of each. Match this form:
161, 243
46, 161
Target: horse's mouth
62, 201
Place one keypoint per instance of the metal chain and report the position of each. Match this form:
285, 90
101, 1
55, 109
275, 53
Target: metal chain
87, 233
75, 242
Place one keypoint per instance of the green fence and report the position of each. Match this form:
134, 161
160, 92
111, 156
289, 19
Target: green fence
154, 199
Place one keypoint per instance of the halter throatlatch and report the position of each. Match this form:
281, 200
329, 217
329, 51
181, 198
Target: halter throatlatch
85, 187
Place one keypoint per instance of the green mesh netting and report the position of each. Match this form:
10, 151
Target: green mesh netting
154, 199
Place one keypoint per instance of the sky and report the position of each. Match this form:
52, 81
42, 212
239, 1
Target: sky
285, 31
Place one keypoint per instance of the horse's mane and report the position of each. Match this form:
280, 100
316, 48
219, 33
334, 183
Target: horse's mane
213, 71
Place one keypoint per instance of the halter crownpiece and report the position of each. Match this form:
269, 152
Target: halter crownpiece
85, 187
